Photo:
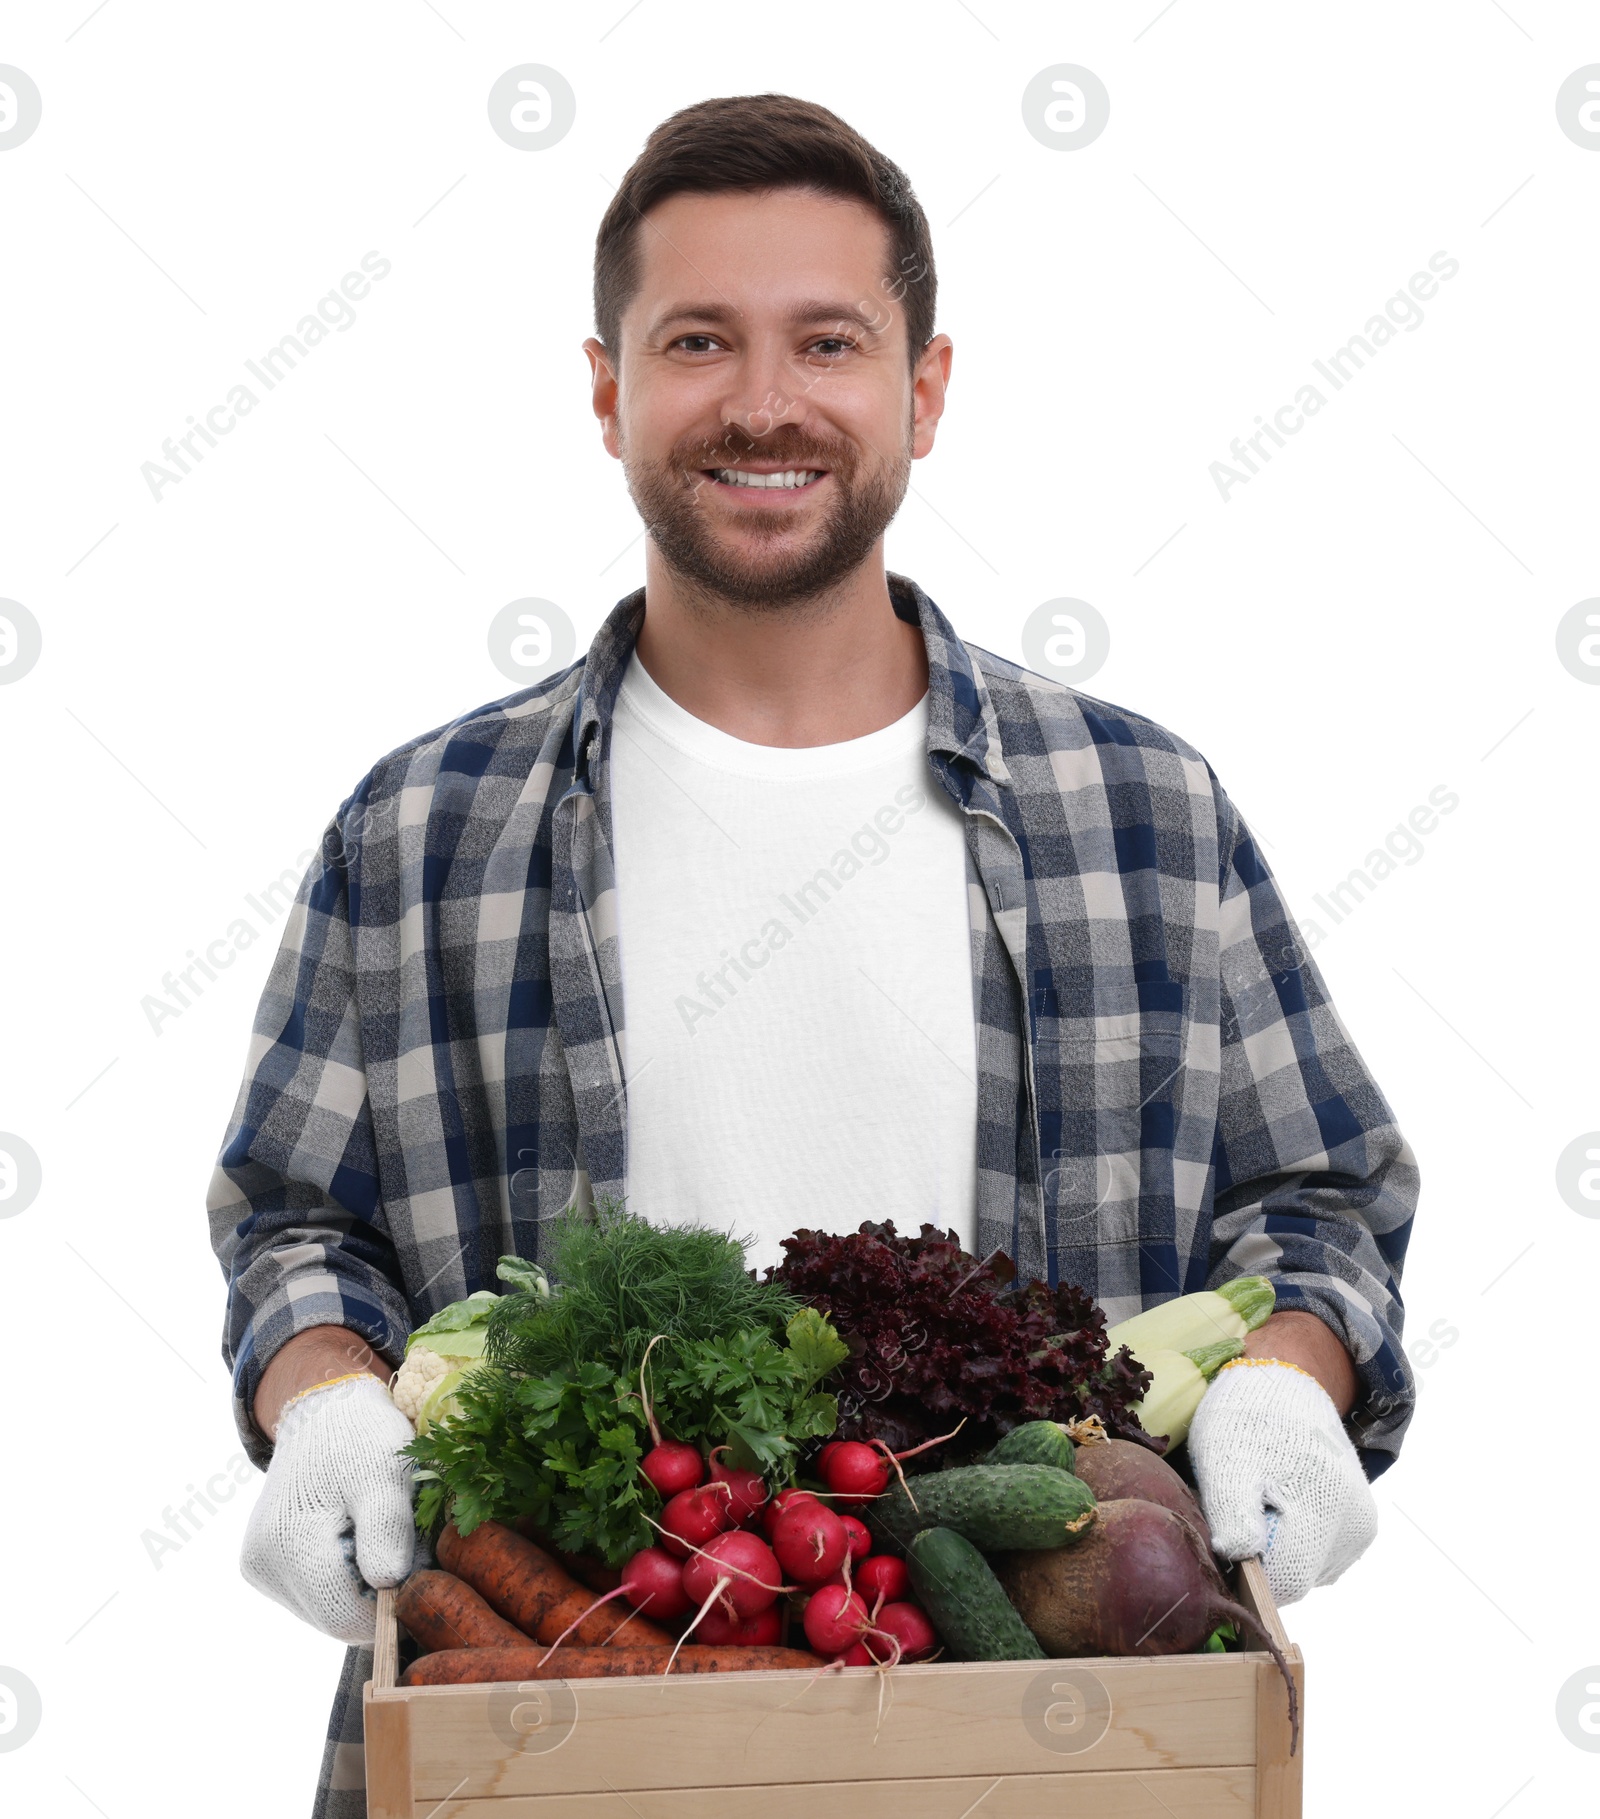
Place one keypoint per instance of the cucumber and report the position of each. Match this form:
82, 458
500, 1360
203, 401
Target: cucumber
1035, 1443
967, 1605
999, 1508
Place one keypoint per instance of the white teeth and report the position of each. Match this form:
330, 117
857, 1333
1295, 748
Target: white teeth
736, 476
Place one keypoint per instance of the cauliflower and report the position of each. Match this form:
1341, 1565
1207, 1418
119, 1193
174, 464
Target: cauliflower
445, 1350
417, 1379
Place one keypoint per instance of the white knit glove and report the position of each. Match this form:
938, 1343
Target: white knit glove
1267, 1438
335, 1469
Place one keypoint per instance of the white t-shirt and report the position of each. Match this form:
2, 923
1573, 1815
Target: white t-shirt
796, 978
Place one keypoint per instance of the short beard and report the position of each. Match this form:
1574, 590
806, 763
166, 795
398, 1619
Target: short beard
667, 495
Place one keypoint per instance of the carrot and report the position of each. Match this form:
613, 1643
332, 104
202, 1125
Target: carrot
442, 1611
588, 1571
585, 1568
466, 1666
522, 1582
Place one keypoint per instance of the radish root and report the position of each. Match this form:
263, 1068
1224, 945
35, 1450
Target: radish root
699, 1617
604, 1598
644, 1393
911, 1453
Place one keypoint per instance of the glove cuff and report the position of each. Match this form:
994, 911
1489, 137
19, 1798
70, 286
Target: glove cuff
1247, 1363
321, 1397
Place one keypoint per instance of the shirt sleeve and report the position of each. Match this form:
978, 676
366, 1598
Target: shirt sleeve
1314, 1185
297, 1221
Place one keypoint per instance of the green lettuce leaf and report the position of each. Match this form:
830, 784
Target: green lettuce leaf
524, 1276
459, 1317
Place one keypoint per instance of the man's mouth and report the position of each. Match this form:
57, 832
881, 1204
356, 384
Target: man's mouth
791, 479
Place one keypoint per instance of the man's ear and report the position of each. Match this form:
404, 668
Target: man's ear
929, 379
603, 390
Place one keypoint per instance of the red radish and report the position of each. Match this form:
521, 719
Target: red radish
652, 1582
743, 1566
856, 1472
857, 1655
884, 1576
909, 1625
691, 1518
820, 1465
811, 1543
779, 1504
718, 1630
835, 1619
860, 1537
673, 1466
747, 1490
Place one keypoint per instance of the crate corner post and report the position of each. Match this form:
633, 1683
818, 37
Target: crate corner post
386, 1724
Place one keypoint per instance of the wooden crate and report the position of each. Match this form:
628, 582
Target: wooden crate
1116, 1737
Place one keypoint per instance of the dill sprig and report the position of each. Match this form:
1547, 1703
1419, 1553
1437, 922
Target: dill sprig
619, 1282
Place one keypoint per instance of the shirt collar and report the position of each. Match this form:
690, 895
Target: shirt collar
961, 722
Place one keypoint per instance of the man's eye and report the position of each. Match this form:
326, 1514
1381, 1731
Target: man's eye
832, 346
683, 340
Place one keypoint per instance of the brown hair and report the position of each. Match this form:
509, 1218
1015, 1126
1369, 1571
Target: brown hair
760, 142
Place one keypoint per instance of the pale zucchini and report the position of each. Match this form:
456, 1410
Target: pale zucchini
1180, 1381
1204, 1318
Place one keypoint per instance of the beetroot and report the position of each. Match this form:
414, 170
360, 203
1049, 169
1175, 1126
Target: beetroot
1140, 1582
1122, 1468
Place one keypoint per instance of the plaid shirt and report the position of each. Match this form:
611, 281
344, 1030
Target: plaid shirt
1166, 1096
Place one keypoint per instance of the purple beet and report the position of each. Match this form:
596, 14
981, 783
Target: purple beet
1119, 1468
1140, 1582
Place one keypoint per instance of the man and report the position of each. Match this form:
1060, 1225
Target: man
785, 906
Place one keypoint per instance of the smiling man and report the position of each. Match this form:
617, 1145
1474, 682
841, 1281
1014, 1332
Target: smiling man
787, 906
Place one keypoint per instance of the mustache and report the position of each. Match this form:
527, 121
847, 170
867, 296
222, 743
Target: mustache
733, 449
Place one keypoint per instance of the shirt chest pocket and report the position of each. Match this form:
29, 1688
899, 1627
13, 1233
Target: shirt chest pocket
1108, 1092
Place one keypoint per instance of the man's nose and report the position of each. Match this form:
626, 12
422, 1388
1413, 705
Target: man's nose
765, 391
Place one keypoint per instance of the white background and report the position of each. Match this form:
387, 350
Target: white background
1371, 616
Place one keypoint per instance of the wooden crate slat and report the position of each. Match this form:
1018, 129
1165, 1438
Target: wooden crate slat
386, 1647
1218, 1793
1256, 1596
387, 1726
1188, 1711
1280, 1777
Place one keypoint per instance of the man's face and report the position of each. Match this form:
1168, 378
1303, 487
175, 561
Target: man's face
766, 338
